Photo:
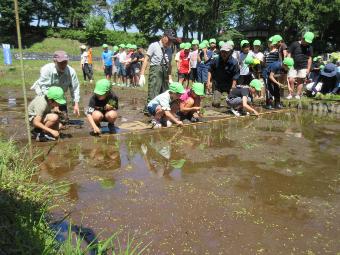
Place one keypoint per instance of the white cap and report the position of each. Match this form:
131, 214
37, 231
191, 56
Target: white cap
227, 47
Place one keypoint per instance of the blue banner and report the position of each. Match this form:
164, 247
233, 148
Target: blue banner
7, 54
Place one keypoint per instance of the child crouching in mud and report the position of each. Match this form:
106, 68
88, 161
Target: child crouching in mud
190, 103
43, 114
240, 97
103, 106
164, 106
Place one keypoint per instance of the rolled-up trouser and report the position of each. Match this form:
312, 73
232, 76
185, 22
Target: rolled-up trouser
158, 81
236, 102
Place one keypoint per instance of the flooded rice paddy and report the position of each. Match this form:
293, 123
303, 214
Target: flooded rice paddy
248, 186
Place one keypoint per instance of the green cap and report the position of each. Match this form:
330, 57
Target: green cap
212, 40
243, 42
102, 86
202, 46
249, 60
198, 88
57, 94
187, 46
176, 87
134, 46
276, 39
288, 62
308, 36
221, 43
195, 42
128, 46
322, 66
115, 48
181, 46
256, 84
122, 45
105, 45
206, 42
317, 58
257, 43
270, 39
230, 42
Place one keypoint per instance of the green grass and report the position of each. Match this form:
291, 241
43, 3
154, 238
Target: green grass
25, 202
10, 76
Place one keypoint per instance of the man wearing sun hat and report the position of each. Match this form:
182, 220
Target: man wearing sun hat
302, 52
159, 54
59, 74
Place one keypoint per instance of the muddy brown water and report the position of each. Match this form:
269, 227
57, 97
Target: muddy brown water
264, 186
248, 186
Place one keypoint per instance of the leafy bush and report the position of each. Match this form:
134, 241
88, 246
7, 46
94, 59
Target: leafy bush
118, 37
94, 28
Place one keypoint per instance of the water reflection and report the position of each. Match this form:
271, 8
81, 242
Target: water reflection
276, 175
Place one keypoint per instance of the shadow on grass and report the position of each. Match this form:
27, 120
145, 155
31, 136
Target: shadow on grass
21, 225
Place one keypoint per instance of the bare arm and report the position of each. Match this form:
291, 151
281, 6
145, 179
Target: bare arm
247, 106
92, 123
272, 78
145, 64
170, 116
37, 122
309, 65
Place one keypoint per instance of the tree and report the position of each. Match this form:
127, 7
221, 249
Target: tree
94, 27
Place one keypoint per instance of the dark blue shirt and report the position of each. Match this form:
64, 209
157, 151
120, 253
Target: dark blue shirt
223, 73
274, 67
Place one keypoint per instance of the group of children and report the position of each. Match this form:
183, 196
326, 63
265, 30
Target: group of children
123, 63
182, 101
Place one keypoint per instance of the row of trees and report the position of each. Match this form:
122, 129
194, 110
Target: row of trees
213, 17
207, 18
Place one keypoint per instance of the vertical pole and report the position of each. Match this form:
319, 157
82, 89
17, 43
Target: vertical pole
23, 78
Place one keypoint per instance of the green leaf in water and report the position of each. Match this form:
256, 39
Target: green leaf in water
201, 146
177, 163
107, 184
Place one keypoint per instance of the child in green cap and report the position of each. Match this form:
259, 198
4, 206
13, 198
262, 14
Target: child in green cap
43, 114
164, 106
302, 52
273, 85
190, 103
241, 96
102, 106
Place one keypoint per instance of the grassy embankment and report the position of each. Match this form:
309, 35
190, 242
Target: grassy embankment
24, 203
11, 76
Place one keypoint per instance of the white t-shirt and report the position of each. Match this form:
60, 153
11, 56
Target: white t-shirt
193, 55
122, 57
259, 56
84, 58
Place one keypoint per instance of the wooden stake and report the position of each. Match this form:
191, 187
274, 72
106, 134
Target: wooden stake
23, 78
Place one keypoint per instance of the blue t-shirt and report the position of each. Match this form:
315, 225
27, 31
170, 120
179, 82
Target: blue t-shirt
210, 58
107, 58
274, 67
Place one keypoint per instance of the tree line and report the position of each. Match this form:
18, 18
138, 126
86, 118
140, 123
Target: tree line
201, 19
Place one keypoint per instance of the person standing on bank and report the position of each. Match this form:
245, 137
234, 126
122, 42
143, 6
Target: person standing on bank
301, 52
159, 55
225, 71
59, 74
